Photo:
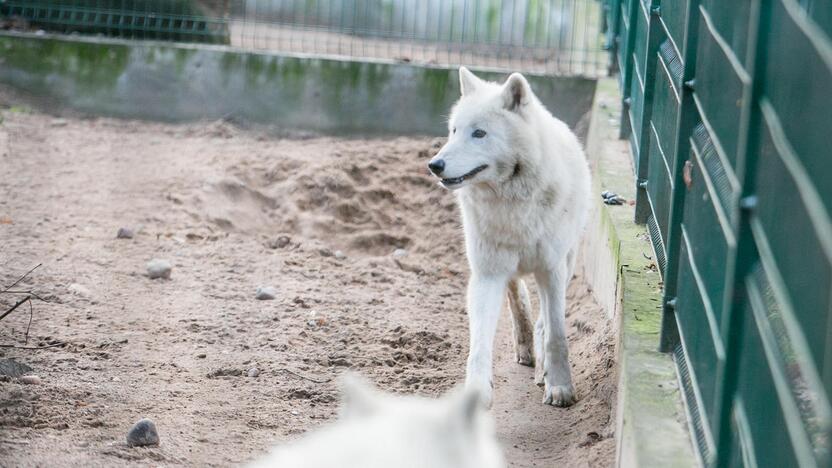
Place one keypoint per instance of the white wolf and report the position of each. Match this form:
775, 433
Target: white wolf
381, 431
523, 187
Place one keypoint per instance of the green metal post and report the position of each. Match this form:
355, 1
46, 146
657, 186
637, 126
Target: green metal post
745, 254
629, 42
669, 337
653, 35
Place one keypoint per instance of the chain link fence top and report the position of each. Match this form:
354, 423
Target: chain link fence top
561, 37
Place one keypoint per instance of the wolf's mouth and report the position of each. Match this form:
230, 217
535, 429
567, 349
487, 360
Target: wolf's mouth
458, 180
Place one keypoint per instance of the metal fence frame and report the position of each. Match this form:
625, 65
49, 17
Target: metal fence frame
726, 117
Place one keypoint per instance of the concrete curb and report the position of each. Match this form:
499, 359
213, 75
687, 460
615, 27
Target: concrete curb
651, 428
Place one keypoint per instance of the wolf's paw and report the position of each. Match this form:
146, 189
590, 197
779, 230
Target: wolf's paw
524, 355
559, 395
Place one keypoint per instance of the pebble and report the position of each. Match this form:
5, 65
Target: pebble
279, 243
125, 233
253, 372
143, 433
325, 252
30, 380
399, 253
79, 290
265, 293
340, 255
315, 320
158, 268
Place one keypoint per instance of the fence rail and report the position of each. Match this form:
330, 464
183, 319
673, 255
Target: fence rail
728, 111
542, 36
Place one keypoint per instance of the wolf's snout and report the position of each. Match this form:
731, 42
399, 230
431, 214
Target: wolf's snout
437, 166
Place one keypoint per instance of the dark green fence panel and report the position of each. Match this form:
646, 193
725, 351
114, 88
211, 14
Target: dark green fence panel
706, 241
662, 142
648, 34
730, 131
174, 20
721, 81
759, 418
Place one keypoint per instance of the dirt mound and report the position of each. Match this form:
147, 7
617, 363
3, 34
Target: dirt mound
348, 203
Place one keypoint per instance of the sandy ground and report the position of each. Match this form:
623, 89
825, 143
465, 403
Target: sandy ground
234, 209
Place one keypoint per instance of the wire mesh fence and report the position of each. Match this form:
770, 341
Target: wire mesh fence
543, 36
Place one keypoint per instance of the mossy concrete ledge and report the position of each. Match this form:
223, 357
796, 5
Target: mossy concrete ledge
652, 425
183, 82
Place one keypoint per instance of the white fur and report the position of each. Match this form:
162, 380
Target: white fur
381, 431
523, 214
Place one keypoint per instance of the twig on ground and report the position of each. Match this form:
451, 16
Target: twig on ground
289, 371
15, 306
29, 295
22, 277
62, 343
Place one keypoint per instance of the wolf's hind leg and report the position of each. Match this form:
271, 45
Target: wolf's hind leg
518, 302
557, 374
539, 338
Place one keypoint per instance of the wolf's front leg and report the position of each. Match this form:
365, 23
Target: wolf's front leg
557, 376
485, 298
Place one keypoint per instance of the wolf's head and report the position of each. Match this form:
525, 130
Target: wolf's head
379, 430
488, 129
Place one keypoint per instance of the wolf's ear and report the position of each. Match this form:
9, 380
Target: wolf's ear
468, 82
359, 397
465, 407
516, 92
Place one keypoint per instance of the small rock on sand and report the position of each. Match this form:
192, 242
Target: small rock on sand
398, 253
279, 243
143, 433
157, 268
340, 255
253, 372
325, 252
125, 233
79, 290
265, 293
30, 380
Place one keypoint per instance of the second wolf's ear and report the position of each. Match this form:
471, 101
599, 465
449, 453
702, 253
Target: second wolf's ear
468, 82
516, 92
359, 397
466, 406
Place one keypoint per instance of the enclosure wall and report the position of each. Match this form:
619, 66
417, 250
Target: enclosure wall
179, 82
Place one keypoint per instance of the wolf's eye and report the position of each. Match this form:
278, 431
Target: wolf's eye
478, 133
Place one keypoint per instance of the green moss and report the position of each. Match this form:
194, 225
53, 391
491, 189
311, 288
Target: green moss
91, 66
434, 86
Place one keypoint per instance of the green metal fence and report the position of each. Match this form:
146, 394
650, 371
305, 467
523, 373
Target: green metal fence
728, 108
542, 36
174, 20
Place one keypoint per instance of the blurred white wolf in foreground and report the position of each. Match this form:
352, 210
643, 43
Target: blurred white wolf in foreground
523, 187
376, 430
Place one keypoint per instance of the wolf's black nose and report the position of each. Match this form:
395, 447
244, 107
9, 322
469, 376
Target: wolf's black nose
437, 166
